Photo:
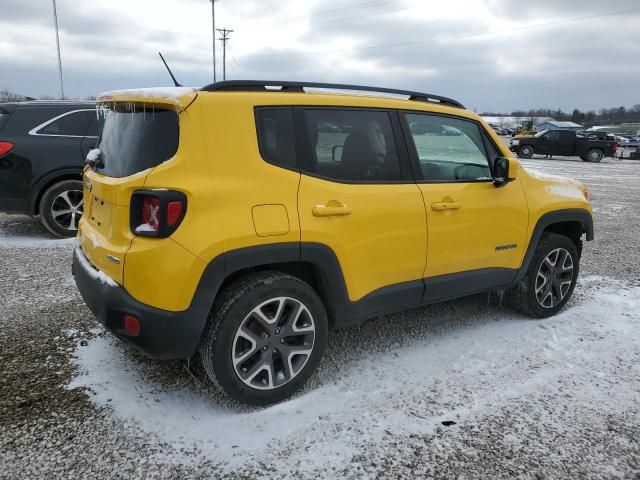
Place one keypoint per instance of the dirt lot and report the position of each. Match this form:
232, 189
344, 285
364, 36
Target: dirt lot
464, 389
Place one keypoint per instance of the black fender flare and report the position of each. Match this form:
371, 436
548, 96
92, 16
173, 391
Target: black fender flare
558, 216
38, 187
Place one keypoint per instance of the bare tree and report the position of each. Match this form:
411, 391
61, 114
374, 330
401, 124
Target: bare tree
7, 96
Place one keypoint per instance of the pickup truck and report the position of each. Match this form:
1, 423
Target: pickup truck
564, 142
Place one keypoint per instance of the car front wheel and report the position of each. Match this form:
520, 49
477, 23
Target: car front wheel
526, 151
61, 208
594, 155
265, 337
550, 279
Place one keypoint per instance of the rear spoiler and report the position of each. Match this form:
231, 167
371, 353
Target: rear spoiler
175, 98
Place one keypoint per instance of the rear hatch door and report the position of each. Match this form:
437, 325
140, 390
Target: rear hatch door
138, 134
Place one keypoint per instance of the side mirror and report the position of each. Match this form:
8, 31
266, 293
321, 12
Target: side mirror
501, 172
336, 153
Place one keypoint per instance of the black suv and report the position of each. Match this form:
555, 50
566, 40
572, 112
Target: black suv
43, 145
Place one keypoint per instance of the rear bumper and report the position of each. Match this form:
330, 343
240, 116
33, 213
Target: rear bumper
163, 334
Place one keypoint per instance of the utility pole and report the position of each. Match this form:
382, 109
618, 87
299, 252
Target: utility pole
224, 39
213, 36
55, 20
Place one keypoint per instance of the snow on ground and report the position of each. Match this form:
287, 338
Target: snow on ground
460, 376
15, 241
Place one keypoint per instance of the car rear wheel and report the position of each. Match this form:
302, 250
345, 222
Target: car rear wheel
265, 337
526, 151
549, 282
594, 155
61, 208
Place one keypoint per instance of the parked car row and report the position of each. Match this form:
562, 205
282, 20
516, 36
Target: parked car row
43, 145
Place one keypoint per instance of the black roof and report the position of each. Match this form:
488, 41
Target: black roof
286, 86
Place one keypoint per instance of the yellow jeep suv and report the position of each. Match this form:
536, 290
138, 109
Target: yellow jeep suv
243, 220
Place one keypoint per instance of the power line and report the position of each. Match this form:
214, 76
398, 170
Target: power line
442, 39
278, 25
326, 13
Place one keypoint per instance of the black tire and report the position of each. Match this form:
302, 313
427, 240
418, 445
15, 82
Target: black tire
594, 155
525, 151
524, 297
60, 197
232, 310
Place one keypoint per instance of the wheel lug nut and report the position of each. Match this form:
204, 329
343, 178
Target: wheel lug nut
282, 340
277, 331
265, 348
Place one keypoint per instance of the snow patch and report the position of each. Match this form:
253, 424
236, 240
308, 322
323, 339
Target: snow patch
145, 227
172, 93
15, 241
93, 273
461, 375
93, 155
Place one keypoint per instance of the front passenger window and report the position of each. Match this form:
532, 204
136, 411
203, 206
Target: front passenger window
448, 149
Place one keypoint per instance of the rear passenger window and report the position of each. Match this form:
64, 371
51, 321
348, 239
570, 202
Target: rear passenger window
276, 136
448, 149
72, 124
351, 145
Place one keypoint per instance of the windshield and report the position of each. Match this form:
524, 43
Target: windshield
135, 138
539, 134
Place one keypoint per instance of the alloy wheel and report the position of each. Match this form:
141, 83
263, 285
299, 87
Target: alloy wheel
273, 343
595, 156
554, 278
67, 208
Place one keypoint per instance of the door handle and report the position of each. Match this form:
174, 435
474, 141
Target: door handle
440, 206
332, 208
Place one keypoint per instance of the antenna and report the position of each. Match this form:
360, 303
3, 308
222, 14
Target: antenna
175, 82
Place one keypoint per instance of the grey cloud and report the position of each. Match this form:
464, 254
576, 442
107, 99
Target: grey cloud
578, 64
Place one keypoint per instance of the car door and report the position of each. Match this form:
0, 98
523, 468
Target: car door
548, 143
357, 197
566, 142
472, 226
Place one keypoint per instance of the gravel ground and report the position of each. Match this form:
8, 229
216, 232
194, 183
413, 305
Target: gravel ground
552, 399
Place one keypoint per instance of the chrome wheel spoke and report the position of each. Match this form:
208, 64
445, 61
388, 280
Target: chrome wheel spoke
67, 208
554, 278
273, 343
65, 197
57, 213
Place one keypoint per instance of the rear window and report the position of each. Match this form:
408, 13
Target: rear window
135, 138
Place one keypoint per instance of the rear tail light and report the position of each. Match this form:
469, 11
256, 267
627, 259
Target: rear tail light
5, 147
174, 211
157, 213
150, 215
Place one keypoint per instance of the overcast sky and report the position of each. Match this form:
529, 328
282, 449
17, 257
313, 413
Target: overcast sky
496, 55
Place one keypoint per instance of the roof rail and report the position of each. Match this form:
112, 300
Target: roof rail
261, 85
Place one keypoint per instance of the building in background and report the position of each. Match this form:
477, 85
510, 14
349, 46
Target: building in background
555, 125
